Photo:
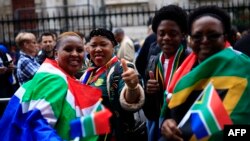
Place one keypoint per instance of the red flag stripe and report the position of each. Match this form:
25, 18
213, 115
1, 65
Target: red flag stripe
85, 96
101, 121
219, 110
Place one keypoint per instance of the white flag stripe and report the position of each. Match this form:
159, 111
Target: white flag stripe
93, 123
71, 100
44, 107
49, 68
91, 109
19, 93
82, 127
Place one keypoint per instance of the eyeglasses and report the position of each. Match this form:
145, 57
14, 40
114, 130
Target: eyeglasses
209, 37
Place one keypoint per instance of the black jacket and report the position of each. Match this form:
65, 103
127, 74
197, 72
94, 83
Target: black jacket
153, 103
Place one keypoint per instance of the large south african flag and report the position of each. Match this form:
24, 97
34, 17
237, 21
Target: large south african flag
228, 70
46, 108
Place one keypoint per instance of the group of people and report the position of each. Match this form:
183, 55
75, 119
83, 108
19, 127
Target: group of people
52, 104
175, 79
53, 96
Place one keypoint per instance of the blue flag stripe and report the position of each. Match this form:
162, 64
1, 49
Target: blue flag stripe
76, 129
199, 127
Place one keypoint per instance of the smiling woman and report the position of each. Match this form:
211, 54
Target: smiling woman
53, 105
70, 52
129, 95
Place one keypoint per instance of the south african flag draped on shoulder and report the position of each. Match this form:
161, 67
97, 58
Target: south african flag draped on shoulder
228, 70
165, 79
54, 106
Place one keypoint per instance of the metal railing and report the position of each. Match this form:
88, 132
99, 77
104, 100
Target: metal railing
4, 100
84, 21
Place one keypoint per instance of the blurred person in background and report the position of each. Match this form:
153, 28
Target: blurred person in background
234, 35
27, 64
142, 59
243, 44
125, 47
46, 43
8, 83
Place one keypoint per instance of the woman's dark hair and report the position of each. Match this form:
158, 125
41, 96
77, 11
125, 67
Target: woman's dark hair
105, 33
213, 11
171, 12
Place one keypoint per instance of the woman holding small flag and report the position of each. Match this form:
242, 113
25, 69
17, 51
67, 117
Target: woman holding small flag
211, 87
53, 105
122, 92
